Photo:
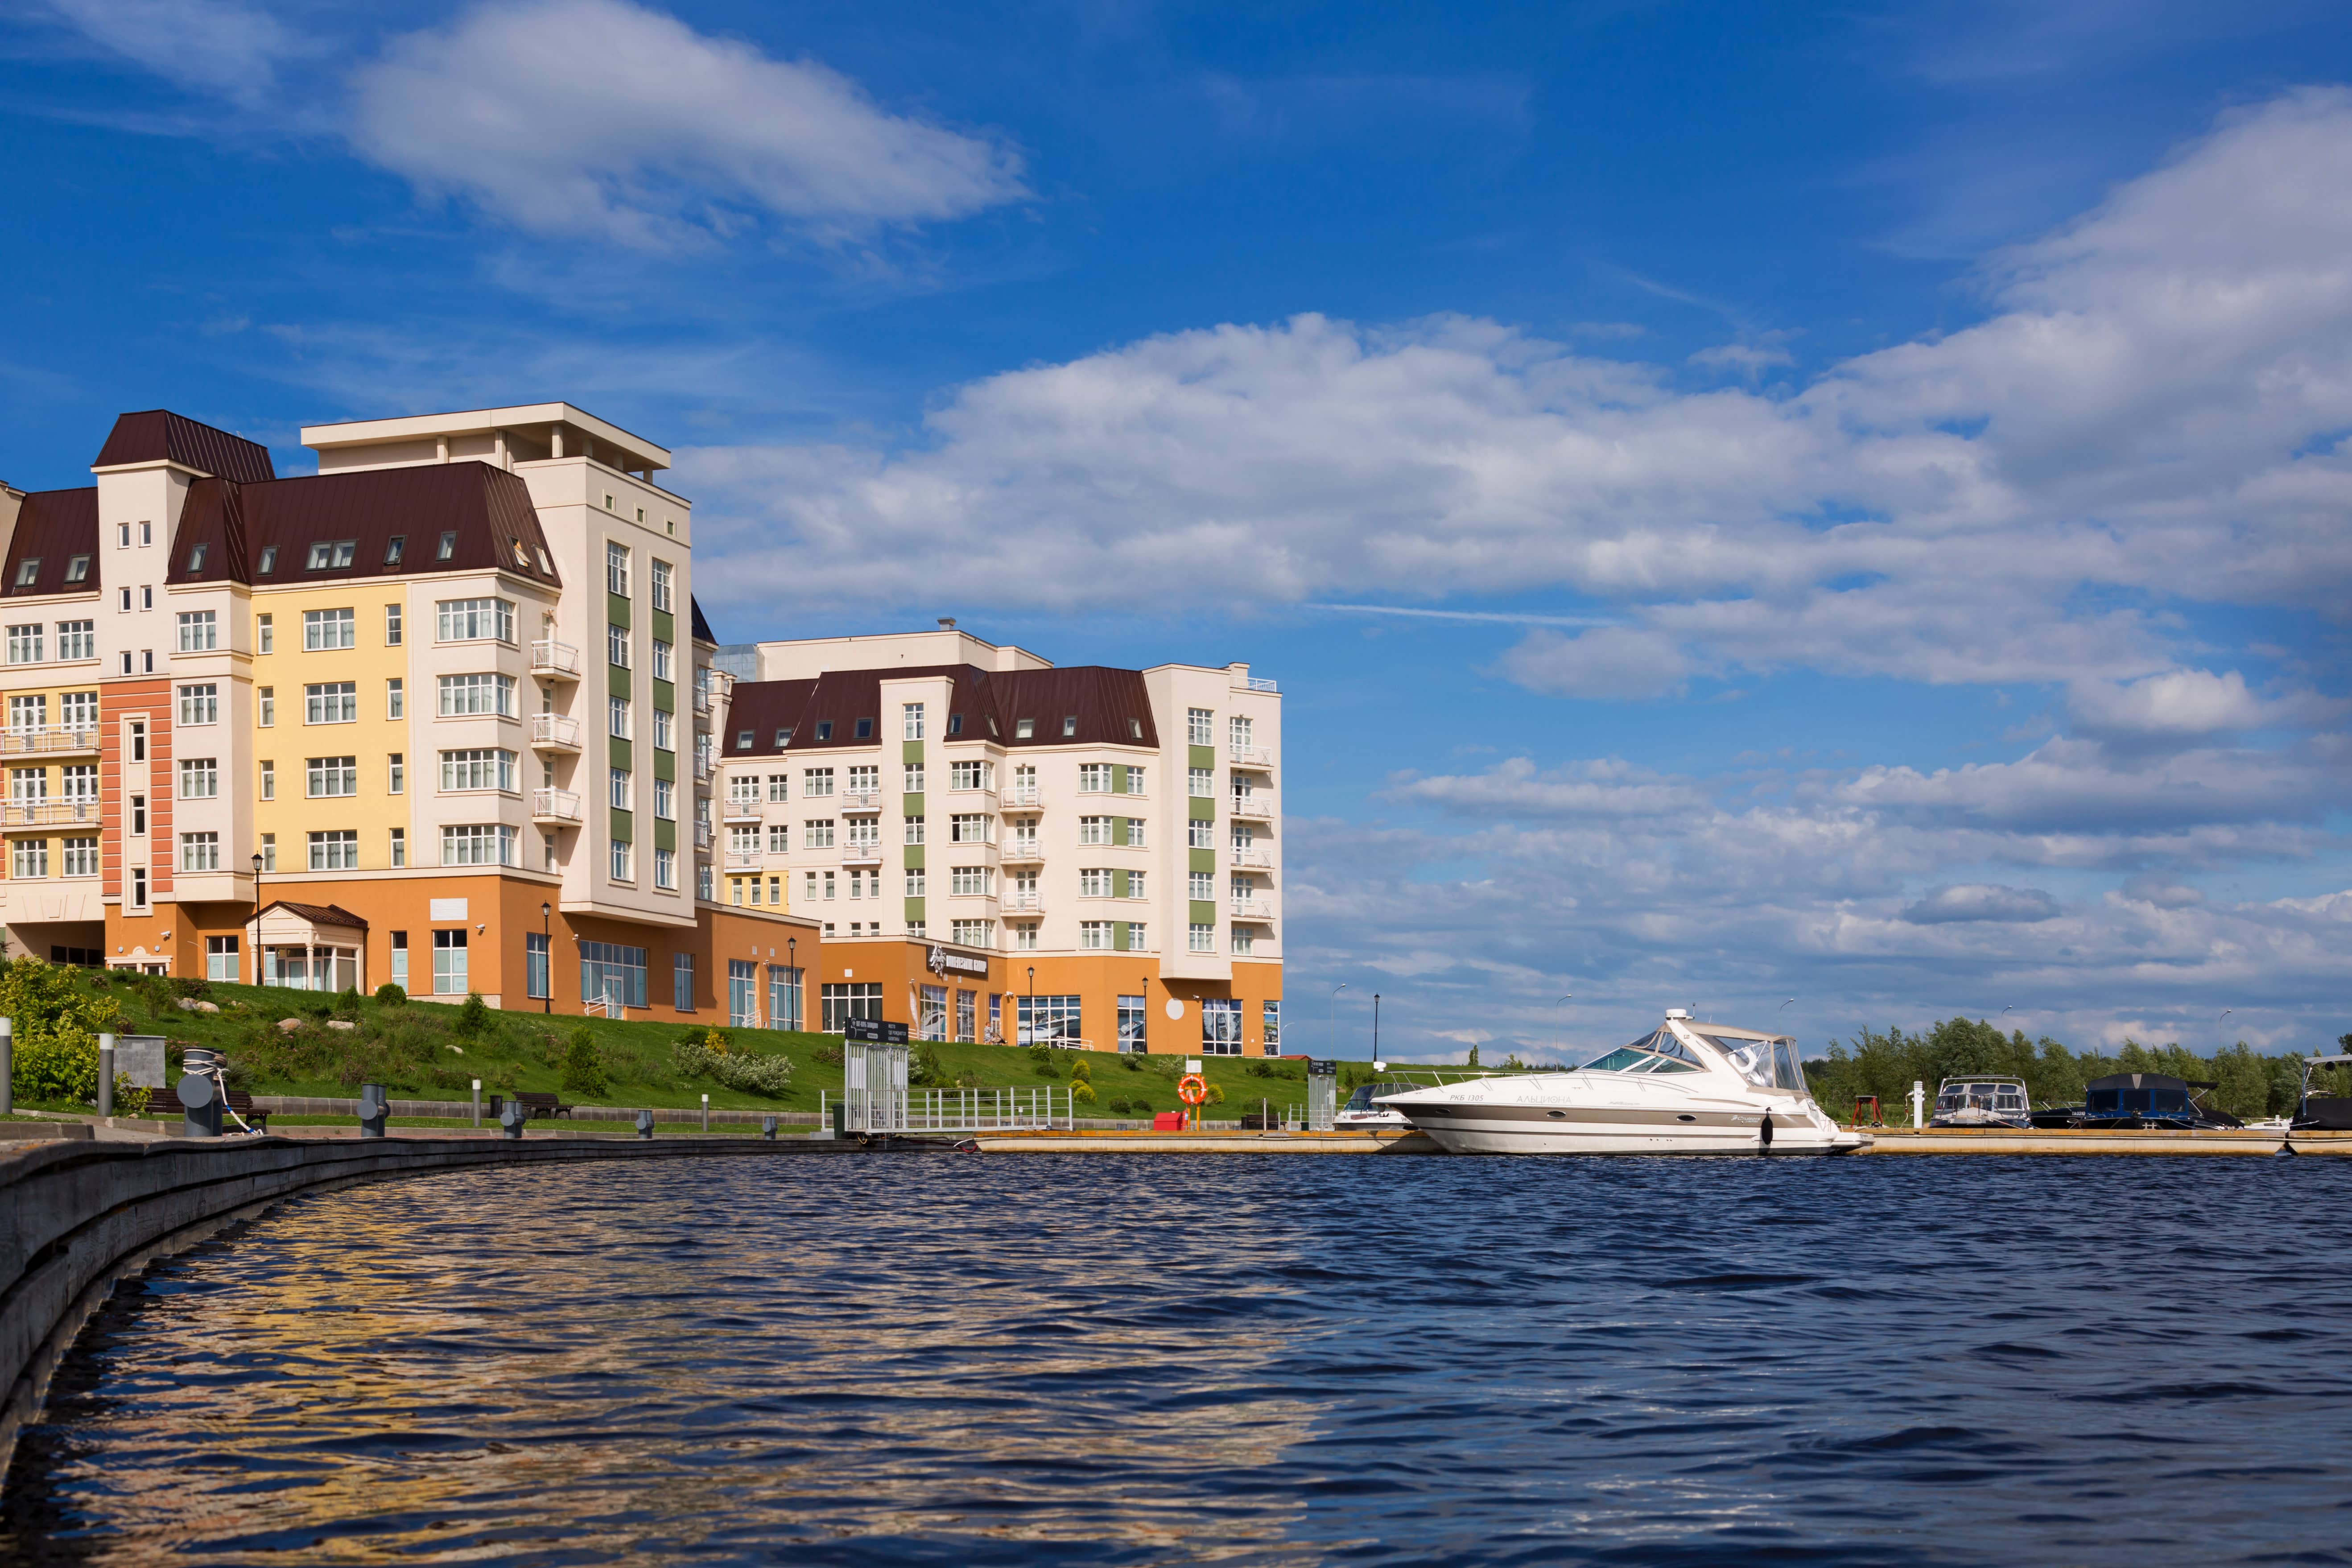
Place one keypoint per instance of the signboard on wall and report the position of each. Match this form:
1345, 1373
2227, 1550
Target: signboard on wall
942, 961
874, 1031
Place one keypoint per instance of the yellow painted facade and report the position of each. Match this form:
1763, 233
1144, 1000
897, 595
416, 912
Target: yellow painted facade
286, 813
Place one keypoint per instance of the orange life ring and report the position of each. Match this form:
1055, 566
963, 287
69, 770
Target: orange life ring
1192, 1089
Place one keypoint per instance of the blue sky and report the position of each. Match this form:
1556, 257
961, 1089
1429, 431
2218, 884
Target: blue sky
1743, 503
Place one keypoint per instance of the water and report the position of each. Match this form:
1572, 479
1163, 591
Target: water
1025, 1359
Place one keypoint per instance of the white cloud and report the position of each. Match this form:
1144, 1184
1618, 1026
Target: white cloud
598, 116
217, 47
2186, 704
1982, 901
2139, 419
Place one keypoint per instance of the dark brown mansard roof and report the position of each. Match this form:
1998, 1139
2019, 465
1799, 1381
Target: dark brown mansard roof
702, 631
1111, 707
52, 527
228, 530
158, 435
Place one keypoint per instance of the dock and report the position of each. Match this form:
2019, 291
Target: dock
1883, 1141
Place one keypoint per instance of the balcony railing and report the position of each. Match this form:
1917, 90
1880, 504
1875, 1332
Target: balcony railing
560, 659
860, 799
743, 859
1252, 910
1024, 903
742, 811
1024, 796
554, 805
702, 769
702, 836
1252, 807
1259, 860
856, 853
1263, 683
555, 732
1250, 756
45, 813
1022, 850
48, 740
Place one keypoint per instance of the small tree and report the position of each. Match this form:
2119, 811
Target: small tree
584, 1071
1474, 1056
389, 995
474, 1016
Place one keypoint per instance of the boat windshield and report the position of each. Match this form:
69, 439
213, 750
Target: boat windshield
1766, 1064
1660, 1052
1363, 1097
2006, 1098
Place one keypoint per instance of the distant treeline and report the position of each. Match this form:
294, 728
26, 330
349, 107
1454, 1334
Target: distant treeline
1886, 1065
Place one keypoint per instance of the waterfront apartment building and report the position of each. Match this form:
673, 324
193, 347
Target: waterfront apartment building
438, 714
994, 848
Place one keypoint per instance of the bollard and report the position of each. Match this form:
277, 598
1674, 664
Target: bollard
200, 1107
373, 1108
105, 1076
644, 1123
706, 1113
1918, 1104
768, 1128
478, 1102
511, 1116
7, 1065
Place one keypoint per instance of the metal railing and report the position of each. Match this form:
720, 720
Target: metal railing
549, 657
860, 799
1022, 850
740, 811
46, 813
1024, 903
1263, 683
554, 805
744, 859
702, 836
555, 730
1250, 756
48, 741
1252, 807
952, 1109
1262, 859
861, 853
1252, 909
1023, 795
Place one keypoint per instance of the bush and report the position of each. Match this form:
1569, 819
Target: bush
347, 1006
474, 1016
1041, 1061
927, 1070
1216, 1096
748, 1074
831, 1056
57, 1029
1082, 1071
1081, 1092
1132, 1064
389, 995
1119, 1105
191, 986
584, 1073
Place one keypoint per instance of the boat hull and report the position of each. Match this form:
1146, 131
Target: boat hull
1515, 1130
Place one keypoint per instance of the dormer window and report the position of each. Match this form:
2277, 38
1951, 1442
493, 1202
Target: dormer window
78, 569
955, 723
449, 546
270, 558
743, 740
546, 567
196, 559
393, 548
865, 729
824, 729
1135, 729
1024, 729
330, 553
522, 556
783, 737
1069, 725
28, 570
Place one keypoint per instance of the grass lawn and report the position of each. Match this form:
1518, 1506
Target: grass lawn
417, 1051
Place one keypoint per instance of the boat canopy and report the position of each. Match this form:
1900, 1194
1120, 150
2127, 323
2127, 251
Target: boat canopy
2140, 1094
1660, 1052
1765, 1063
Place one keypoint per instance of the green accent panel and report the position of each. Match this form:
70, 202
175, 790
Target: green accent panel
666, 766
1203, 860
1118, 778
1119, 835
617, 609
1201, 757
1119, 929
914, 858
1119, 887
666, 696
664, 834
618, 751
666, 626
618, 680
910, 751
915, 909
625, 825
911, 805
1201, 810
1205, 911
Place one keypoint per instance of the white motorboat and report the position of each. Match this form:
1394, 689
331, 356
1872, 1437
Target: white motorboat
1687, 1088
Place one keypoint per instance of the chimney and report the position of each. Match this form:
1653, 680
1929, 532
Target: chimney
947, 623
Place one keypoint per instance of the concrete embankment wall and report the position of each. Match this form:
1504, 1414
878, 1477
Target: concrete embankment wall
76, 1216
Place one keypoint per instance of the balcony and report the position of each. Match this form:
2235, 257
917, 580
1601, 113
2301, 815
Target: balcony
1024, 903
1252, 910
701, 770
1021, 797
554, 732
1251, 859
554, 807
554, 660
1252, 809
1259, 757
44, 813
46, 742
744, 859
1022, 851
861, 853
860, 800
741, 811
702, 836
1261, 683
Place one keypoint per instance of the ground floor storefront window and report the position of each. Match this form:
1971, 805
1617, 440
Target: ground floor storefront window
1048, 1020
855, 1000
1221, 1026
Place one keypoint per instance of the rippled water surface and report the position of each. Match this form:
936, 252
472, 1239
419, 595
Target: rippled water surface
1146, 1360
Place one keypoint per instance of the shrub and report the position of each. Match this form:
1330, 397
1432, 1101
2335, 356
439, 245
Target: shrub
927, 1070
831, 1056
1132, 1064
57, 1029
1082, 1071
474, 1016
389, 995
347, 1006
750, 1074
583, 1072
1119, 1105
1081, 1092
1041, 1061
191, 986
1216, 1096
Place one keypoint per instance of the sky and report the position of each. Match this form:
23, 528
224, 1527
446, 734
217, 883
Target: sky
1832, 517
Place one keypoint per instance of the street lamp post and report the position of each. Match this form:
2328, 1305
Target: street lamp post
1331, 1016
1032, 1009
257, 916
547, 956
1377, 1063
792, 961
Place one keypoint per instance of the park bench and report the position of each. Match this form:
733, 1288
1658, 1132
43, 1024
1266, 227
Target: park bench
542, 1107
163, 1105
